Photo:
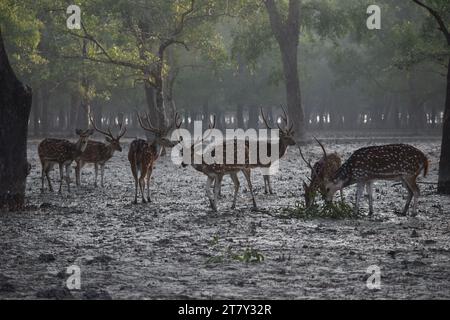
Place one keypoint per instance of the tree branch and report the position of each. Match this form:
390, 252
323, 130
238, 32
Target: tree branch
438, 18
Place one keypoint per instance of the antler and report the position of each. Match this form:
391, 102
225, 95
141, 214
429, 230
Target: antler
108, 134
321, 145
285, 118
122, 130
265, 119
308, 163
148, 126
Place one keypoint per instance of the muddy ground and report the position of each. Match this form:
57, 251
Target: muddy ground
177, 248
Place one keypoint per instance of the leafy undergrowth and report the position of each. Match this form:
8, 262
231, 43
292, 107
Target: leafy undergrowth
249, 255
326, 210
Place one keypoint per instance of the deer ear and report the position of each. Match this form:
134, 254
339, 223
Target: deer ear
78, 132
108, 139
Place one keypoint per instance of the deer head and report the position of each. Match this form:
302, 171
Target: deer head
286, 132
114, 141
83, 138
314, 181
161, 136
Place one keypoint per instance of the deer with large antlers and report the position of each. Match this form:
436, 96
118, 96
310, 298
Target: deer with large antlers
143, 154
321, 173
63, 153
98, 153
286, 139
216, 171
397, 162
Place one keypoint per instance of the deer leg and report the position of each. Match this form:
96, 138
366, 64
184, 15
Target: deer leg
61, 177
220, 178
149, 175
416, 192
209, 181
267, 185
68, 172
96, 174
236, 189
43, 174
134, 171
142, 187
47, 174
406, 184
78, 173
266, 189
217, 184
102, 174
369, 188
359, 194
248, 175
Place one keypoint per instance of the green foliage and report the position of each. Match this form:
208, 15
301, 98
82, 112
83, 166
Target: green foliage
248, 255
338, 210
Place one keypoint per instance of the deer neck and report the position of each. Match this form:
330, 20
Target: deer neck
282, 147
157, 147
110, 150
344, 174
79, 148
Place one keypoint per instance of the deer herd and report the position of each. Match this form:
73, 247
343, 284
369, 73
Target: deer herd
395, 162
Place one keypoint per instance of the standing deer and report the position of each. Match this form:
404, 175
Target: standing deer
99, 153
63, 153
321, 173
286, 139
143, 154
398, 162
215, 172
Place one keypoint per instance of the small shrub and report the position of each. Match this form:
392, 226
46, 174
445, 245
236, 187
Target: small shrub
338, 210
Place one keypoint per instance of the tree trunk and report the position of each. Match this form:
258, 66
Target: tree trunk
15, 106
45, 100
287, 35
36, 113
444, 166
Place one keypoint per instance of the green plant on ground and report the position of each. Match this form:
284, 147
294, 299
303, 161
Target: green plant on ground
327, 210
249, 255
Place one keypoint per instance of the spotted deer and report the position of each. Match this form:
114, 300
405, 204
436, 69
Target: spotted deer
63, 153
215, 172
143, 154
397, 162
321, 173
98, 153
286, 139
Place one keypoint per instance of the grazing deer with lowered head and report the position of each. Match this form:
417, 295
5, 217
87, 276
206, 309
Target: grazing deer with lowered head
63, 153
321, 173
143, 154
397, 162
99, 153
216, 171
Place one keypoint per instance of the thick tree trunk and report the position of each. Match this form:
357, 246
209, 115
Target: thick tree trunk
444, 166
287, 35
15, 106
